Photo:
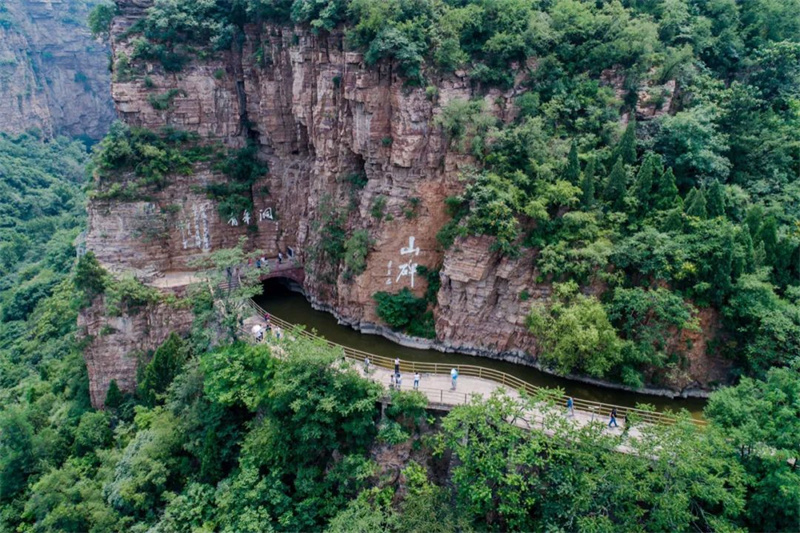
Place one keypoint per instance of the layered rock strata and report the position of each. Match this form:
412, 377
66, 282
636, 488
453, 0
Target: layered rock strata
320, 116
53, 76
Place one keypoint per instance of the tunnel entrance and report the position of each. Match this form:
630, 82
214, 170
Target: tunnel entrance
280, 286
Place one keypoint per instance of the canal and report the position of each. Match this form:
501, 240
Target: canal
293, 307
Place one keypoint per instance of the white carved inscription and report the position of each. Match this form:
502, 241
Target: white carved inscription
407, 268
194, 229
266, 214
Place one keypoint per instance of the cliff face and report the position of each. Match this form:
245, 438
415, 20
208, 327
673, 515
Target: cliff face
53, 75
320, 115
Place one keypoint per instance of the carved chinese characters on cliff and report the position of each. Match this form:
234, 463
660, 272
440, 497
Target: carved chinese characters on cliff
407, 266
194, 229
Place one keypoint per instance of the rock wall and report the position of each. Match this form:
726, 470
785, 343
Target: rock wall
320, 115
118, 343
53, 75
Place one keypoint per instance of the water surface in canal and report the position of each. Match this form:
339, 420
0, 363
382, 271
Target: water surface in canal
294, 308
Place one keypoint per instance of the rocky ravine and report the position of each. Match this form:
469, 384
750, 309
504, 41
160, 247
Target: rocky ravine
320, 115
53, 75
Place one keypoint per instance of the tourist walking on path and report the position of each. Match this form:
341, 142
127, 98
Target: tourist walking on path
570, 406
613, 420
366, 365
416, 380
453, 378
391, 381
280, 258
398, 379
397, 365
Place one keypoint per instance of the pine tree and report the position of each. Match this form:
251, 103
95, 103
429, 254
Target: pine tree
587, 184
716, 200
674, 220
769, 237
167, 363
666, 196
573, 171
643, 188
696, 204
113, 396
745, 244
617, 186
626, 149
754, 219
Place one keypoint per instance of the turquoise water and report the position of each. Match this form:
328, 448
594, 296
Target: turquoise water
293, 307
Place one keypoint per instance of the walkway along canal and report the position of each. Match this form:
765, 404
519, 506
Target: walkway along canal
295, 309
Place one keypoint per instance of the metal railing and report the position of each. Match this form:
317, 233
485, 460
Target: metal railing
589, 407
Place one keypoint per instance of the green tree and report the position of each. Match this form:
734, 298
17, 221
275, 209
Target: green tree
696, 204
167, 362
572, 172
626, 148
90, 277
715, 198
666, 196
587, 184
92, 434
617, 186
100, 18
692, 145
113, 395
225, 285
768, 235
17, 460
760, 418
643, 187
574, 333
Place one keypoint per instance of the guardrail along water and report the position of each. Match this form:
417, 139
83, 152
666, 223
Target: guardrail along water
501, 378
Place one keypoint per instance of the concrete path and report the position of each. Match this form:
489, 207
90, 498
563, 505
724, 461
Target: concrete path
438, 389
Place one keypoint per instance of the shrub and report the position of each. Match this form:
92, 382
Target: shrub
235, 195
100, 18
90, 277
356, 249
399, 309
152, 157
434, 281
163, 101
129, 295
378, 209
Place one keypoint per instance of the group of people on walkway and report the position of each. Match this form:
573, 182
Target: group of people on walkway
395, 379
612, 420
259, 331
263, 261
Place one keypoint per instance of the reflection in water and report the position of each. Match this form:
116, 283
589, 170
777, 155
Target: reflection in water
293, 307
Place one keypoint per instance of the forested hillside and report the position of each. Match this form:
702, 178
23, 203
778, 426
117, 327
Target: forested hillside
650, 159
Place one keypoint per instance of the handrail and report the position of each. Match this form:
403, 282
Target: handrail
506, 380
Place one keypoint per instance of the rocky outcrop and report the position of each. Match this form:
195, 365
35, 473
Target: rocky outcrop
53, 76
320, 116
119, 343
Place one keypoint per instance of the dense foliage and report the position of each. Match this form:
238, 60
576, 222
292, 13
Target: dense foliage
130, 163
227, 436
